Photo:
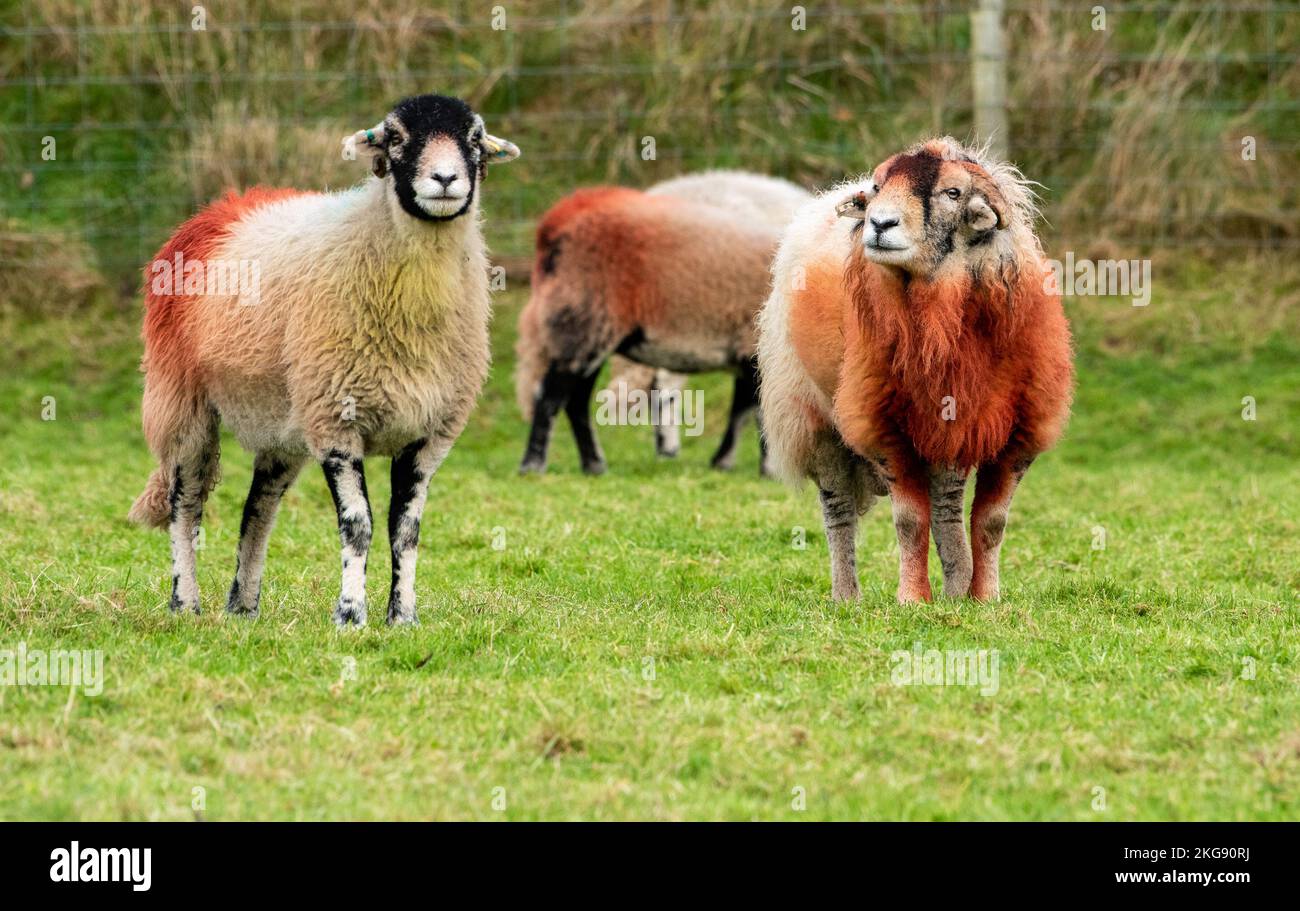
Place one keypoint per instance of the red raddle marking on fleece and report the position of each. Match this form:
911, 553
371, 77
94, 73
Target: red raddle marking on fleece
999, 348
168, 347
606, 230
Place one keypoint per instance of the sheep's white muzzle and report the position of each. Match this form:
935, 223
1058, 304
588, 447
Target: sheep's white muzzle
441, 205
439, 199
885, 249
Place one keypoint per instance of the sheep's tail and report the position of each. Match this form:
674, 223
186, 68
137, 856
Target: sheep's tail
152, 508
531, 357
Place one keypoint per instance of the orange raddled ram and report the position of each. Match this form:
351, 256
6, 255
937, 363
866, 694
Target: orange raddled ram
912, 336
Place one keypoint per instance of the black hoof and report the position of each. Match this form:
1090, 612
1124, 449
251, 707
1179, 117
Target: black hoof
350, 612
401, 616
235, 605
177, 606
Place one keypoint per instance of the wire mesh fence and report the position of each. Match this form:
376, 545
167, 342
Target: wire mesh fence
1160, 124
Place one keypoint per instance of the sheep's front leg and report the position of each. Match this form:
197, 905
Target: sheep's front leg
272, 476
995, 484
668, 435
411, 472
346, 477
947, 496
909, 494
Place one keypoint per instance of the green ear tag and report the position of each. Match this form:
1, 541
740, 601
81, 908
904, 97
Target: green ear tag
370, 136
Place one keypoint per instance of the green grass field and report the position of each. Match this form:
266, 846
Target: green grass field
651, 644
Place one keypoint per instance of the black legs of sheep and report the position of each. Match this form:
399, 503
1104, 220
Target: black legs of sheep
744, 400
573, 391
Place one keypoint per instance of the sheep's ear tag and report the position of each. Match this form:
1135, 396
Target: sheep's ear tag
853, 207
499, 150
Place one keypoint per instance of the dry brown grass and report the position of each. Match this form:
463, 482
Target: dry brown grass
45, 272
1135, 130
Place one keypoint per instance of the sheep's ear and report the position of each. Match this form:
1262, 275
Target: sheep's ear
373, 142
497, 150
986, 209
854, 207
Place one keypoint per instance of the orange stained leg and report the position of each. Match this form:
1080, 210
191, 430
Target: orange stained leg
995, 484
909, 494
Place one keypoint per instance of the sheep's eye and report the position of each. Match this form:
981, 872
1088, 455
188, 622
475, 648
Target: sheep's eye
953, 193
875, 188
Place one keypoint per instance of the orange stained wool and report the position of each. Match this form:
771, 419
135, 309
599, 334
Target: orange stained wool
610, 232
168, 347
954, 364
815, 323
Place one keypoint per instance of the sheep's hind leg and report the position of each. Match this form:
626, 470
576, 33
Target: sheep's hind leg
844, 496
411, 471
578, 409
744, 399
552, 395
947, 495
345, 474
273, 473
192, 479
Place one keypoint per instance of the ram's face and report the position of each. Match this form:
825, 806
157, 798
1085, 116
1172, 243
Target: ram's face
921, 210
437, 152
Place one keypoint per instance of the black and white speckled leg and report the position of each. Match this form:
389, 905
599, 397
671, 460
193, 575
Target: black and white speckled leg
192, 478
273, 473
345, 474
411, 472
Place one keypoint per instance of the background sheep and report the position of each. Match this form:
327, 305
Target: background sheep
670, 278
909, 343
366, 334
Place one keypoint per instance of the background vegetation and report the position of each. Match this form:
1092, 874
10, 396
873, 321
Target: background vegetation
1161, 668
1135, 130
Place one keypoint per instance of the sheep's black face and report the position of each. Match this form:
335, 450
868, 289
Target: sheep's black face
437, 153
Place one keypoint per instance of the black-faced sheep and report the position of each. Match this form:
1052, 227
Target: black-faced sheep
365, 332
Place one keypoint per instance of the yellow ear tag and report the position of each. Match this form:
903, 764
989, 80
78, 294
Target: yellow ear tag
499, 148
853, 207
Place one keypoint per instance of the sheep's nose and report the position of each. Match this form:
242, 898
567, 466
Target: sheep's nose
884, 223
445, 179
